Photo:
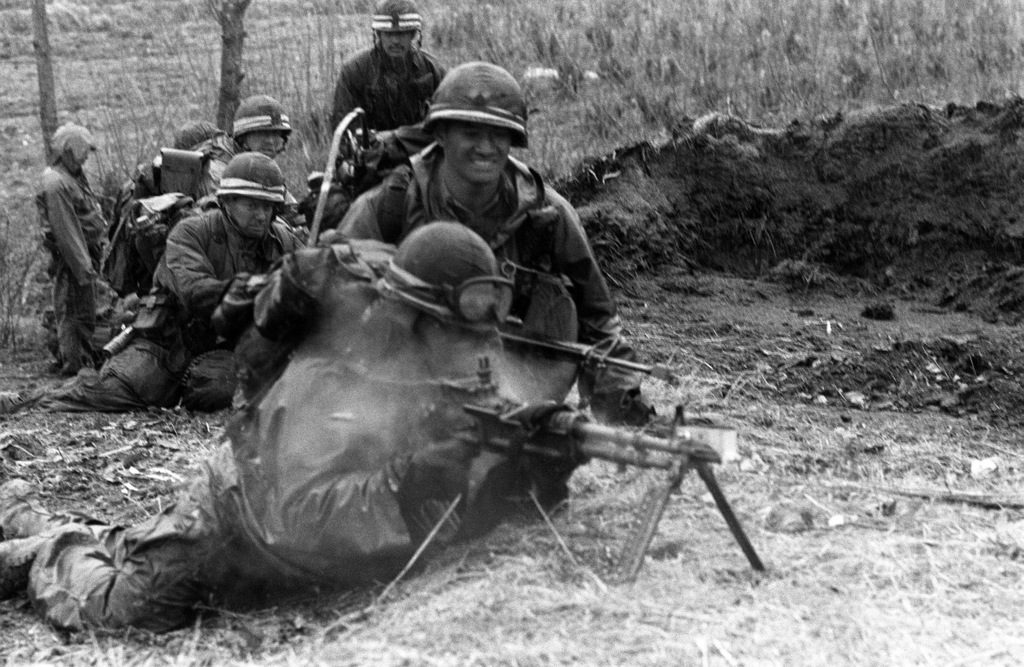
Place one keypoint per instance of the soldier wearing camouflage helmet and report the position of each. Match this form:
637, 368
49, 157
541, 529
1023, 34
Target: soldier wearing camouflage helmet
261, 125
393, 80
337, 475
240, 237
477, 114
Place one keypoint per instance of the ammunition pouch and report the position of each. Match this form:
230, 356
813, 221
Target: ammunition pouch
543, 303
157, 313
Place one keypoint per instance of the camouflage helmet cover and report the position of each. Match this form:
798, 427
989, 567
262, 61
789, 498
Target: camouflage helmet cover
396, 16
480, 92
260, 112
253, 175
446, 270
445, 254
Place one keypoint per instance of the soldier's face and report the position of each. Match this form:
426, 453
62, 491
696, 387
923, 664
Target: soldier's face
251, 216
474, 152
269, 142
397, 44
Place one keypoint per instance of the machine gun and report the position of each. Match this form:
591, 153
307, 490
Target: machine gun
596, 356
560, 433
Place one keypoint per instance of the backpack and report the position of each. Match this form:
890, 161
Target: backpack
138, 237
153, 201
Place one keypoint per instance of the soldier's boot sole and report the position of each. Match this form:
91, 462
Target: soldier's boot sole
21, 514
16, 558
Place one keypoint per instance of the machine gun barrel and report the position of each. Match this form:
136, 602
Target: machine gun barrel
587, 354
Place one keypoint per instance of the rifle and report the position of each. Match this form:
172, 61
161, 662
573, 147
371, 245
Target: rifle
564, 434
587, 355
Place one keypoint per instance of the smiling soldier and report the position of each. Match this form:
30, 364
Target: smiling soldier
476, 116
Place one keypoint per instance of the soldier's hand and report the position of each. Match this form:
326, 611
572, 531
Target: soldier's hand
537, 416
625, 407
235, 310
428, 482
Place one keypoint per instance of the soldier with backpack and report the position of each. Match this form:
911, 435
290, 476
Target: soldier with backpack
477, 114
171, 353
356, 455
182, 179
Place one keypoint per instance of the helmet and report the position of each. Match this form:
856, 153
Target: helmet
396, 16
194, 133
479, 92
446, 270
253, 175
72, 142
260, 112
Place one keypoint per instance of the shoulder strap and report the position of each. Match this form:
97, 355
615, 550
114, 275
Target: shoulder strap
391, 213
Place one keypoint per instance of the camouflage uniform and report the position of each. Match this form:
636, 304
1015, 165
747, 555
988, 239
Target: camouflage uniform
334, 476
73, 231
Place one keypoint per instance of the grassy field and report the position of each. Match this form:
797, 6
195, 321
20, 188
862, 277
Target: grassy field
869, 578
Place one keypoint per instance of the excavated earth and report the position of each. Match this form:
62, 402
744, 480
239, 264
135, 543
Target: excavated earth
909, 203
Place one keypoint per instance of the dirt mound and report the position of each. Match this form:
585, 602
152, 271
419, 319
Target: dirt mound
852, 192
960, 375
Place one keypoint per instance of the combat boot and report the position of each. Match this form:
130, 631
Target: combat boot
21, 513
11, 402
16, 558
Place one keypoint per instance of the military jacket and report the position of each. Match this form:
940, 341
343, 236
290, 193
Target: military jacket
71, 220
362, 388
390, 98
205, 252
541, 231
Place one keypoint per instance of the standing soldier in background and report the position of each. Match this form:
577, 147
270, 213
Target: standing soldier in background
393, 80
477, 114
73, 232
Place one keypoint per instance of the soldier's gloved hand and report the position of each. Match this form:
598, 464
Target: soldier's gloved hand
234, 312
536, 416
538, 420
428, 482
625, 407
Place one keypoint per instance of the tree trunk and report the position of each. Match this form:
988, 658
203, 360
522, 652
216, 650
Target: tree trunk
230, 15
44, 66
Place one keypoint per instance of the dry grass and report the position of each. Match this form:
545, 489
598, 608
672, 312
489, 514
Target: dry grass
896, 581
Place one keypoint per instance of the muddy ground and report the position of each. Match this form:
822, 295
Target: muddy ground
845, 292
